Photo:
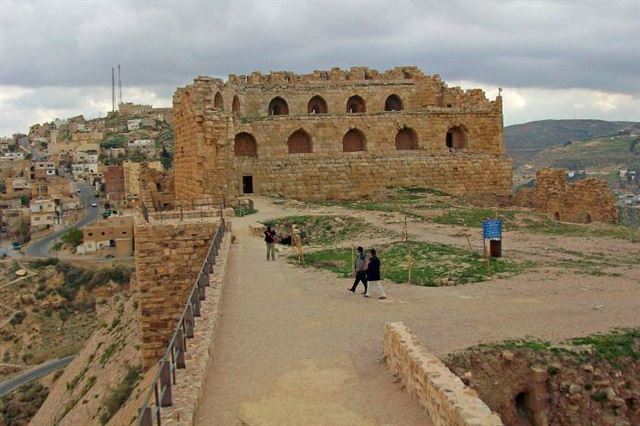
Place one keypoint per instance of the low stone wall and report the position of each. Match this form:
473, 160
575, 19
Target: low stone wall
447, 400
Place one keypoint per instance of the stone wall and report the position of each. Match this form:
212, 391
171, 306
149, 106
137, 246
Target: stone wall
168, 258
457, 135
585, 201
447, 400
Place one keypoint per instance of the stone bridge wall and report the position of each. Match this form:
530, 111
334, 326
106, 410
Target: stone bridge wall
448, 401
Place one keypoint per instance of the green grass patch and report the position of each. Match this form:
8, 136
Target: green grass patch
119, 395
623, 343
474, 217
324, 229
432, 264
550, 227
244, 211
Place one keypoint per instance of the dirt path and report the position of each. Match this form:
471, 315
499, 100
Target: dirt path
294, 347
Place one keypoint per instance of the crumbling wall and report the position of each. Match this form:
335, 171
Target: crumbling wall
168, 258
585, 201
156, 188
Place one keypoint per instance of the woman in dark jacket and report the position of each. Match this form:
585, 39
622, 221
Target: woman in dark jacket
373, 275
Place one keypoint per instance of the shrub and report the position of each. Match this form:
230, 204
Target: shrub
73, 236
17, 318
119, 395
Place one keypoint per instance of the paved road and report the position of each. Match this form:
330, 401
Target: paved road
42, 247
43, 369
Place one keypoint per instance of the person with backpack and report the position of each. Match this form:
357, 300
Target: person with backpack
270, 237
373, 275
360, 268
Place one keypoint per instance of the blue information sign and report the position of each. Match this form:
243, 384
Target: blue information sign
492, 228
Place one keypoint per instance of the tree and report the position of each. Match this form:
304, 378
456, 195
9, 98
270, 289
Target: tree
73, 237
24, 200
166, 159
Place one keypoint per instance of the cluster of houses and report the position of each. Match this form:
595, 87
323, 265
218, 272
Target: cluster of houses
39, 173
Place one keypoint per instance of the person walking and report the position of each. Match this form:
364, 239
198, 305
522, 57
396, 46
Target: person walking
270, 238
360, 267
373, 275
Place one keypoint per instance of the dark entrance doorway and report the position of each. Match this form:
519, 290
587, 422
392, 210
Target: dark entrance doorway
247, 184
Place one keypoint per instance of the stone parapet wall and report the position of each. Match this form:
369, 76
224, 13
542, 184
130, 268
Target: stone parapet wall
358, 175
168, 258
447, 400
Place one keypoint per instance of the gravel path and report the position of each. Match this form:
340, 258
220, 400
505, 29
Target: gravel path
294, 347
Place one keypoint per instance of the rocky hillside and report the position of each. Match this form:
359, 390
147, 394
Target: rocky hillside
105, 383
524, 141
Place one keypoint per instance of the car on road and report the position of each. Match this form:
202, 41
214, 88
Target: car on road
15, 245
94, 204
79, 191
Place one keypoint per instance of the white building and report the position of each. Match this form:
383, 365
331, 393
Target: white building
134, 124
12, 156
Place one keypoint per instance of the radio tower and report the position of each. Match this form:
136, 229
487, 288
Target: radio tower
113, 91
119, 86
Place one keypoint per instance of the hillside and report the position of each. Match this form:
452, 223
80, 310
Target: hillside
524, 141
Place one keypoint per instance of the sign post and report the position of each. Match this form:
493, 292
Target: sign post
492, 231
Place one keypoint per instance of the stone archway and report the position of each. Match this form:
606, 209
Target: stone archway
235, 105
317, 105
278, 106
218, 102
406, 139
245, 145
300, 142
356, 105
393, 103
353, 141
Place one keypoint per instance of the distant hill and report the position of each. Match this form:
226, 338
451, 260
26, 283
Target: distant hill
525, 141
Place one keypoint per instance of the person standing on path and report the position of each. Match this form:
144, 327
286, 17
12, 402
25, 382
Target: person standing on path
373, 275
270, 238
360, 267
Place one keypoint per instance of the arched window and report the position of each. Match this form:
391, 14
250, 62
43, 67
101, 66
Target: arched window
353, 141
235, 106
317, 105
456, 138
245, 145
406, 138
218, 102
299, 142
393, 103
355, 105
278, 106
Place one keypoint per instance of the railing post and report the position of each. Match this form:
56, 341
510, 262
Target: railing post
188, 322
165, 385
145, 416
195, 304
201, 289
180, 348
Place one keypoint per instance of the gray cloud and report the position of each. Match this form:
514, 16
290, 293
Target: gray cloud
161, 45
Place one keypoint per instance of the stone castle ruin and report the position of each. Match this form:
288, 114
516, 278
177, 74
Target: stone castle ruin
335, 135
588, 200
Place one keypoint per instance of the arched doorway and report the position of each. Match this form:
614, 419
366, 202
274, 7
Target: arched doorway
235, 106
406, 139
317, 105
300, 142
353, 141
393, 103
356, 105
245, 145
218, 102
456, 138
278, 106
556, 216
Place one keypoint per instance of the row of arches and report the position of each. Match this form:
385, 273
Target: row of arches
300, 142
316, 105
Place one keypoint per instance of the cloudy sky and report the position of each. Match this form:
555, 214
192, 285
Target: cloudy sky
553, 59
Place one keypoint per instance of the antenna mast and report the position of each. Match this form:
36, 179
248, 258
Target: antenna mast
113, 91
119, 86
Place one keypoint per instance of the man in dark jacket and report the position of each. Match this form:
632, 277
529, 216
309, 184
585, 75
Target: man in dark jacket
270, 239
373, 275
360, 267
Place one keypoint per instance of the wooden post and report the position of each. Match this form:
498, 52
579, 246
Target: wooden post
410, 264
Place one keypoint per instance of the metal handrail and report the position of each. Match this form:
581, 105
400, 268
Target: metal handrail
173, 357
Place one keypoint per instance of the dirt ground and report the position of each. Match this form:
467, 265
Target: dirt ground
294, 345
